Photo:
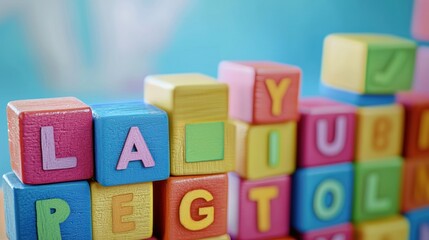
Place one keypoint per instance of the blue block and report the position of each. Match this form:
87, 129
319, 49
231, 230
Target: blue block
360, 100
322, 197
20, 207
419, 223
112, 124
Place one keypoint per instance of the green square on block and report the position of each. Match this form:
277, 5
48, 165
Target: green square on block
390, 66
377, 189
204, 142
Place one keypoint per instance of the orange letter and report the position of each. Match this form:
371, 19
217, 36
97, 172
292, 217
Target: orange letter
421, 190
118, 211
382, 128
262, 197
424, 131
277, 93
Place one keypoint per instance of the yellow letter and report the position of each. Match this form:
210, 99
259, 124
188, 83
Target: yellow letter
185, 210
421, 190
262, 197
118, 211
277, 93
424, 131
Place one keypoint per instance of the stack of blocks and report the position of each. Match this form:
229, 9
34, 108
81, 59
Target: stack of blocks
264, 109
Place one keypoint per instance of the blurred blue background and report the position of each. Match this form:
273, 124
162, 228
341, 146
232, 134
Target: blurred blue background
101, 51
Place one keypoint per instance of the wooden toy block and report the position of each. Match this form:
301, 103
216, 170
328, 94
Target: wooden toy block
340, 232
370, 64
322, 197
202, 140
379, 132
191, 207
420, 28
261, 92
2, 223
131, 143
377, 187
122, 212
415, 182
51, 211
393, 228
326, 132
265, 150
50, 140
421, 74
419, 223
356, 99
416, 140
258, 209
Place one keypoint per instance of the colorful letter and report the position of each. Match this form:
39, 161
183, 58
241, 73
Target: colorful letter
382, 127
49, 159
424, 131
118, 211
50, 213
274, 149
323, 211
262, 196
421, 190
372, 202
277, 93
135, 140
185, 210
337, 145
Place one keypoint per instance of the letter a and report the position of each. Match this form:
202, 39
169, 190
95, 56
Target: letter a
135, 139
49, 160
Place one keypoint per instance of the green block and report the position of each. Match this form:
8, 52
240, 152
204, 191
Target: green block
377, 189
390, 66
204, 142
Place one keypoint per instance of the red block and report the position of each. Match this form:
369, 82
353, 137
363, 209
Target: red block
261, 92
416, 141
259, 209
343, 232
50, 140
326, 133
192, 207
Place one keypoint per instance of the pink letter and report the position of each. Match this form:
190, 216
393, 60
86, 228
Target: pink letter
135, 139
334, 148
49, 159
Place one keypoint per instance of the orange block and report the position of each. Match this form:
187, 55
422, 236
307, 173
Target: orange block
415, 185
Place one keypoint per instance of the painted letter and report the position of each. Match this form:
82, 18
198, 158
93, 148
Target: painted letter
424, 131
372, 202
337, 145
135, 139
322, 211
119, 211
262, 196
49, 159
382, 128
185, 210
421, 190
274, 149
50, 213
277, 93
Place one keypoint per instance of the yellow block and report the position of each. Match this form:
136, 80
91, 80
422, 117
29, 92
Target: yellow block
394, 228
379, 132
223, 237
192, 98
2, 220
122, 212
253, 149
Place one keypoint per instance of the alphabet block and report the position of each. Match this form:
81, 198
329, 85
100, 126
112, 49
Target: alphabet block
379, 132
50, 140
202, 140
415, 182
265, 150
2, 223
340, 232
258, 209
377, 189
326, 132
322, 197
261, 92
369, 64
51, 211
191, 207
419, 223
131, 143
421, 74
420, 28
356, 99
122, 212
416, 140
393, 228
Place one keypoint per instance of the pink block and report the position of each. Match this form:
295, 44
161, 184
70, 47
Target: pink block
243, 212
420, 27
50, 140
326, 132
421, 74
340, 232
250, 98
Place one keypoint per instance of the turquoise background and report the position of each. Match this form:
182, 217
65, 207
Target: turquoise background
289, 31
